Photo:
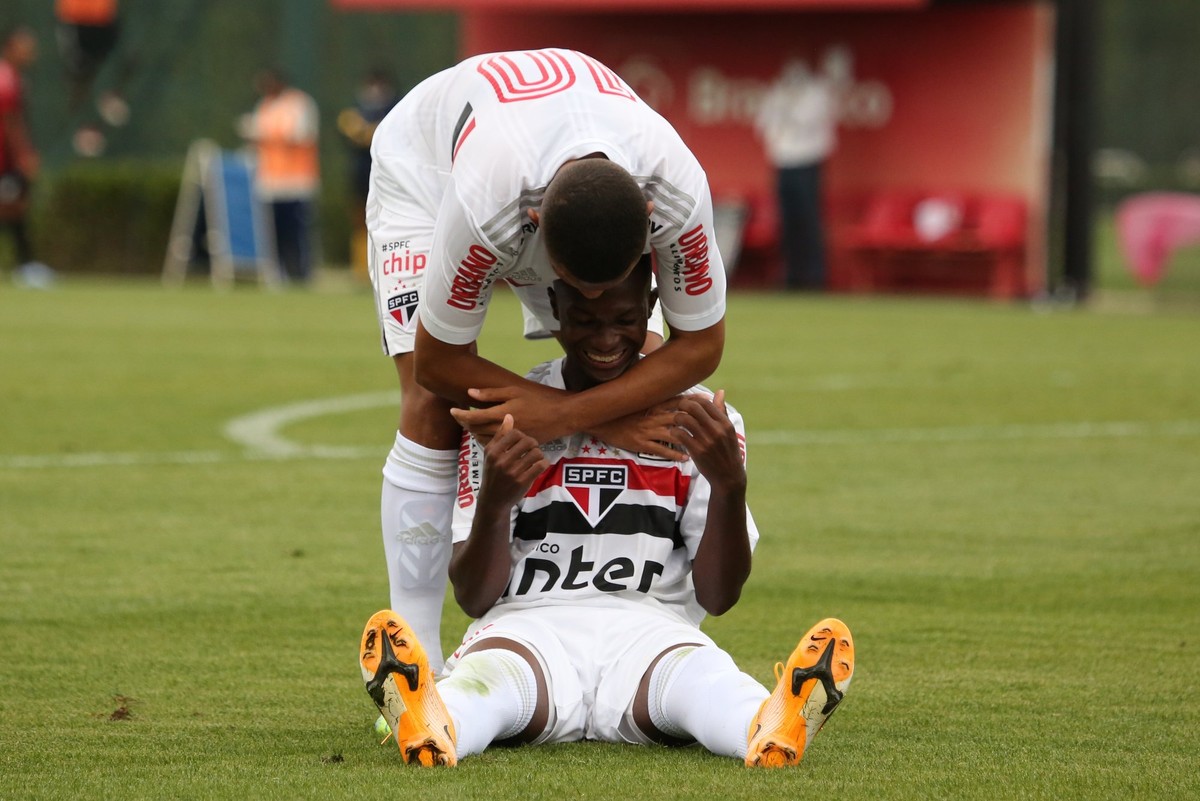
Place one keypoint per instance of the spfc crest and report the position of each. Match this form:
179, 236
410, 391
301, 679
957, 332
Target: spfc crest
403, 306
594, 488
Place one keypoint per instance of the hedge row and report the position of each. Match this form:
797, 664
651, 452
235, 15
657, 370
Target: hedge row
105, 217
115, 218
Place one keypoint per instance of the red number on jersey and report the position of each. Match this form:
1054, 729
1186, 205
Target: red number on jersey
541, 73
607, 81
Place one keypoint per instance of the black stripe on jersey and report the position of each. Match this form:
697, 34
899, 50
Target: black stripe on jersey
563, 517
458, 126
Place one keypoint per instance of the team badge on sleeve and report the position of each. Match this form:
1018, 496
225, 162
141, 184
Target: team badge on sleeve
594, 488
403, 306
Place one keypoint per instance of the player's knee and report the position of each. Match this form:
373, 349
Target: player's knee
502, 665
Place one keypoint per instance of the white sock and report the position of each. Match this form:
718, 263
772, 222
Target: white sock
416, 502
491, 695
699, 692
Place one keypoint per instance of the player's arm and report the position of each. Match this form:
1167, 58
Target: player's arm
685, 359
452, 370
688, 356
722, 562
480, 565
454, 305
446, 365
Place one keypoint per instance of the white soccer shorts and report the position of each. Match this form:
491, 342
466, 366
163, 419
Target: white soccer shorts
593, 659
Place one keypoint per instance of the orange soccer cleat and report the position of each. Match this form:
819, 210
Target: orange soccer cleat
399, 681
807, 691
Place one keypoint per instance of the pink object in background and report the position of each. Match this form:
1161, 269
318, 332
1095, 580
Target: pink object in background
1152, 226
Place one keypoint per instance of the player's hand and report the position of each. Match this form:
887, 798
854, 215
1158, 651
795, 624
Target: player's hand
512, 460
535, 409
647, 432
705, 431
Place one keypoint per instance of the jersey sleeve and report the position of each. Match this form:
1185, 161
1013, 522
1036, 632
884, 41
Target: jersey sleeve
463, 267
690, 271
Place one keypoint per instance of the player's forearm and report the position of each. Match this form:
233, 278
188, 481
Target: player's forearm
450, 370
480, 567
684, 360
722, 562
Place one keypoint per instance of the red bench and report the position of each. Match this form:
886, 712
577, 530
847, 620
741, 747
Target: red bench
924, 241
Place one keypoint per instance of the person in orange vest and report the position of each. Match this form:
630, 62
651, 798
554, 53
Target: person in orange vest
283, 129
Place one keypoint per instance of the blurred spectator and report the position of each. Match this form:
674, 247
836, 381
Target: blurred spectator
374, 99
797, 122
283, 129
19, 161
88, 31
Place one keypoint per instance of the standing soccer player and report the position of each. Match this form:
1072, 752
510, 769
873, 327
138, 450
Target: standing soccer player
519, 168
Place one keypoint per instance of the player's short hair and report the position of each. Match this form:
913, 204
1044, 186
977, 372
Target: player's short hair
594, 220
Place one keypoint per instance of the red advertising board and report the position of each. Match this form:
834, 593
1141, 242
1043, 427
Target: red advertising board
654, 6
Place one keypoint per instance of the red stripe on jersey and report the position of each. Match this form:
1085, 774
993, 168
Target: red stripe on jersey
666, 481
551, 73
607, 81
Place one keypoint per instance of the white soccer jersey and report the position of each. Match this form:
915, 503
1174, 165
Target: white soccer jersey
474, 148
601, 526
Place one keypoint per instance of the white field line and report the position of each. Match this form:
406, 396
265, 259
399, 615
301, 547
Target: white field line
110, 459
259, 436
259, 432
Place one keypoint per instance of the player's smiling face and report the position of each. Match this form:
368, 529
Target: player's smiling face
601, 335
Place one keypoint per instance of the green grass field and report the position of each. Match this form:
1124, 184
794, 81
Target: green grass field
1003, 503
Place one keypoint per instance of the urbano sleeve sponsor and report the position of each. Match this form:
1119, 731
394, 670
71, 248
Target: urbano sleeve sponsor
691, 274
463, 267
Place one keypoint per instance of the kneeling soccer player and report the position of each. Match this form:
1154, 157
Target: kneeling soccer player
590, 569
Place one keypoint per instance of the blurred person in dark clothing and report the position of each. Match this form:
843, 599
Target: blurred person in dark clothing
798, 125
373, 100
